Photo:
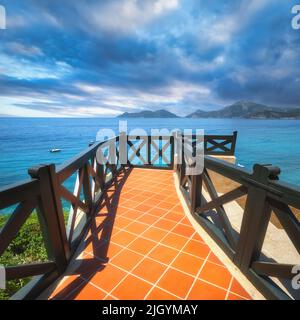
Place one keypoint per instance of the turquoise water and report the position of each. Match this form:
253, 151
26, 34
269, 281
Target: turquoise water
24, 142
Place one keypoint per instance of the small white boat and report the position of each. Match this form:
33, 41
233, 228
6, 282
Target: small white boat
54, 150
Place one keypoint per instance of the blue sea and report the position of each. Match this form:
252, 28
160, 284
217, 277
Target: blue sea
25, 142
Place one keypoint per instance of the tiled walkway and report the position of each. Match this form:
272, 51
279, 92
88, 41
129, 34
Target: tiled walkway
141, 246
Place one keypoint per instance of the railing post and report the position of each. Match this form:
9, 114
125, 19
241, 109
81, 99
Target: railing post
160, 150
172, 150
149, 150
233, 143
123, 152
256, 217
196, 192
182, 165
50, 215
87, 188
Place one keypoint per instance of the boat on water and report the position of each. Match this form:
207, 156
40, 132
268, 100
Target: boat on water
54, 150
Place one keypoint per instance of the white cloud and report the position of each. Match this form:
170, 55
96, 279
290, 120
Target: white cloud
124, 16
102, 101
19, 48
90, 111
219, 30
88, 88
11, 106
121, 99
24, 69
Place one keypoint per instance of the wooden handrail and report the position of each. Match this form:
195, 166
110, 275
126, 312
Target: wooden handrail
265, 193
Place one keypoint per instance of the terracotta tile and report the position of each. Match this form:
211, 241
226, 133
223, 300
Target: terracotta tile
154, 234
197, 237
121, 210
130, 204
115, 230
186, 222
126, 259
158, 294
148, 219
176, 282
163, 254
128, 195
122, 222
132, 214
141, 245
175, 241
147, 194
172, 199
165, 224
143, 207
149, 202
106, 251
123, 238
173, 216
213, 258
137, 227
184, 230
205, 291
139, 198
188, 263
131, 288
178, 209
216, 274
232, 296
108, 277
237, 288
88, 266
158, 196
196, 248
158, 212
123, 201
166, 205
87, 292
149, 270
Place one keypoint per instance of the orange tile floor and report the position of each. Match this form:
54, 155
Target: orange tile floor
142, 246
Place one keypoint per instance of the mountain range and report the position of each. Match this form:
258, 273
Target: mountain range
149, 114
240, 109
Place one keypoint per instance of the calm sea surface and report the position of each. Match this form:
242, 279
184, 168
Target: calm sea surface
24, 142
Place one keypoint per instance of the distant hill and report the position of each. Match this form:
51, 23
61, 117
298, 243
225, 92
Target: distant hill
248, 110
239, 110
149, 114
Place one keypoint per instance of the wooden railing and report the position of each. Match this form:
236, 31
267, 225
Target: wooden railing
44, 194
265, 195
151, 151
220, 144
45, 191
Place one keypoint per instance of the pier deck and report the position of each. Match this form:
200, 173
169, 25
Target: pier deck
141, 245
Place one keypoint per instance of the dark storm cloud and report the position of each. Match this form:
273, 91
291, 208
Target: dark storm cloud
113, 56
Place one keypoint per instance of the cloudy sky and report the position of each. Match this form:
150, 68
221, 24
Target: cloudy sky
104, 57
